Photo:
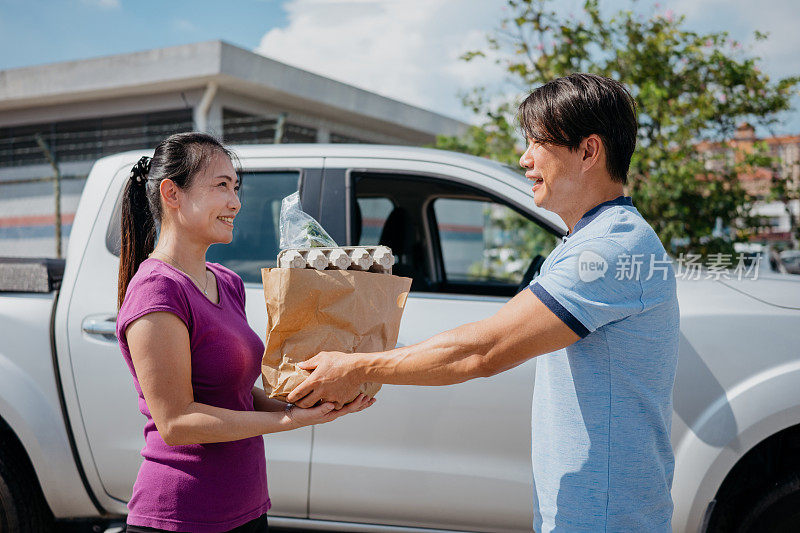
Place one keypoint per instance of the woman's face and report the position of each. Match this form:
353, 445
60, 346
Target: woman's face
208, 208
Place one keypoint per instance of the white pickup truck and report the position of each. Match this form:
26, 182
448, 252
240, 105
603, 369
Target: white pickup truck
451, 458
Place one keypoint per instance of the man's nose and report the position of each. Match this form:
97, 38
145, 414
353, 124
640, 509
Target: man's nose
526, 160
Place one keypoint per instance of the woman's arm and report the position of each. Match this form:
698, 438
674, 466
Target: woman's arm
159, 346
264, 404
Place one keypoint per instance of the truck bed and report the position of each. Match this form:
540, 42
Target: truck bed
30, 274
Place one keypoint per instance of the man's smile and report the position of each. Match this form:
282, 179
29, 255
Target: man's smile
537, 181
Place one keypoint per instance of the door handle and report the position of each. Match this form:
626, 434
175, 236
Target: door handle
105, 326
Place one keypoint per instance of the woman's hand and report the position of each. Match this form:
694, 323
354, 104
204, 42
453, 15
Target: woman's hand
325, 412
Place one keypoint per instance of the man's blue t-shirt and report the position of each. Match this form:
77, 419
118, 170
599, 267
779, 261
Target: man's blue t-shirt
602, 408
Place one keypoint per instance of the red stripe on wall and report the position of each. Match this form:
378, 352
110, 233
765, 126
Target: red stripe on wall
35, 220
460, 228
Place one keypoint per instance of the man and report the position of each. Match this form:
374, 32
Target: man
601, 453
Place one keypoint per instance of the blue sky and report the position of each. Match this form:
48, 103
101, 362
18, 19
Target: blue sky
404, 49
33, 32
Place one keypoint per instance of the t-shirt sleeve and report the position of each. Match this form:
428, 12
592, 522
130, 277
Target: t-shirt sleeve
589, 286
151, 294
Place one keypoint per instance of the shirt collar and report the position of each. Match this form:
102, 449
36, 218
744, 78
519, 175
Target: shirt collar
592, 213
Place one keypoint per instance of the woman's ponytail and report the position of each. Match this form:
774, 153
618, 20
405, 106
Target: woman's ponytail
138, 230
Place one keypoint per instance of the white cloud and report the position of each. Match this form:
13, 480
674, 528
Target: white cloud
409, 49
403, 49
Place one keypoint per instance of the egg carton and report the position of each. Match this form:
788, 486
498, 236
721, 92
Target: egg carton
364, 258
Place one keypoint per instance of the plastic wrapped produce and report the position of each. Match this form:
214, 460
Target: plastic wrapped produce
298, 229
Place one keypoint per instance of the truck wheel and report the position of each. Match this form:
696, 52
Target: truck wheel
773, 508
777, 510
22, 505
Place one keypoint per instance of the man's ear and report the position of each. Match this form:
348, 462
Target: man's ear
169, 193
592, 151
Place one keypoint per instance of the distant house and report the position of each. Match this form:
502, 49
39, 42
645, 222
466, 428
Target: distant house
787, 149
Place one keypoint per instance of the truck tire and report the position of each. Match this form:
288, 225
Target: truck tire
773, 508
22, 505
777, 510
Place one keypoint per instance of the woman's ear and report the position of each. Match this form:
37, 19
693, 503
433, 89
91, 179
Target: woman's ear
169, 193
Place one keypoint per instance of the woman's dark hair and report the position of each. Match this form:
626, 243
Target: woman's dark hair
566, 110
179, 157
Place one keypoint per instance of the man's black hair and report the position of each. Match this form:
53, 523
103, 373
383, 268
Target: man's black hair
566, 110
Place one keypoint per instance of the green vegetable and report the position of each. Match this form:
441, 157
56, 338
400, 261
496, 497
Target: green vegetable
316, 236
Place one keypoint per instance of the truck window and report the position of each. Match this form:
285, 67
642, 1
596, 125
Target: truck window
256, 232
484, 243
372, 213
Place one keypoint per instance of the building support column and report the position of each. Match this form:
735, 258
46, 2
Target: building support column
200, 112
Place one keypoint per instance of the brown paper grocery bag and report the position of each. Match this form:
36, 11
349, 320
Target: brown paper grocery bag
309, 311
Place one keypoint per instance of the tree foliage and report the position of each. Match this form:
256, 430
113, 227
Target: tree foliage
689, 87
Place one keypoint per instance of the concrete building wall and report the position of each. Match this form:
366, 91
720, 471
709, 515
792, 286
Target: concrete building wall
122, 105
247, 104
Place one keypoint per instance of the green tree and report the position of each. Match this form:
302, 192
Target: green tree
691, 90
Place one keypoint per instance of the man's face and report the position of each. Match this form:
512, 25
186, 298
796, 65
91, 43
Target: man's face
555, 172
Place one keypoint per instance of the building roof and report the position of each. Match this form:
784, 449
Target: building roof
195, 65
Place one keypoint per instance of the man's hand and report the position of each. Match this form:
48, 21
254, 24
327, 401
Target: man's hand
334, 378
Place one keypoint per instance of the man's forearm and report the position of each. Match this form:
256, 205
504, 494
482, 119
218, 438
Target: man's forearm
451, 357
520, 330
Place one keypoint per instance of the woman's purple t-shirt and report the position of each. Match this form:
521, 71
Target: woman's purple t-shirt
211, 487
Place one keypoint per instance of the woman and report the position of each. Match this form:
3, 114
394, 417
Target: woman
183, 332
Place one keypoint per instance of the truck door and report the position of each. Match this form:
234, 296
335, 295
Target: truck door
107, 399
455, 457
